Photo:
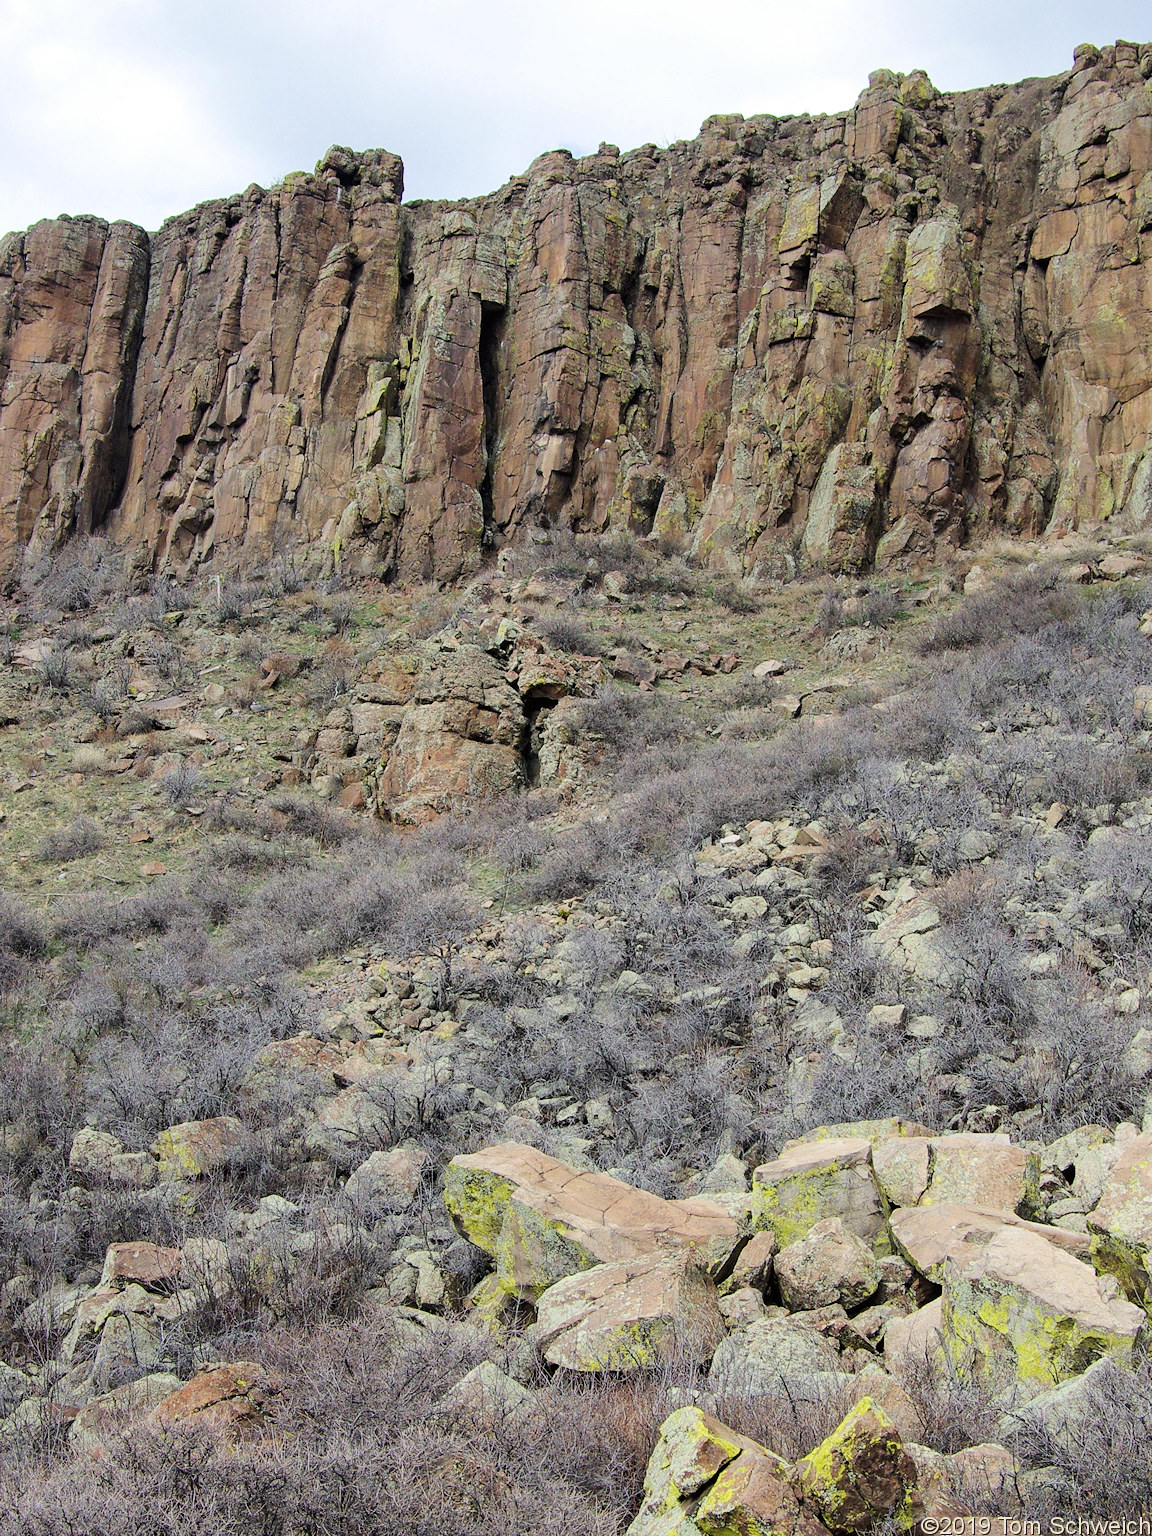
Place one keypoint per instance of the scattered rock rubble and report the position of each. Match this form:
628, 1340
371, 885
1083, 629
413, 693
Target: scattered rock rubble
842, 1292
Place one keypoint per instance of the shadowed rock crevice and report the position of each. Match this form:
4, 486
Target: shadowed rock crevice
492, 328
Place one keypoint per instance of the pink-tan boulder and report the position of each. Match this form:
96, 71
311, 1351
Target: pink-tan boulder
542, 1220
629, 1316
231, 1399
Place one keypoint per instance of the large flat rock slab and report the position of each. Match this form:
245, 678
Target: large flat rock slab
542, 1220
928, 1235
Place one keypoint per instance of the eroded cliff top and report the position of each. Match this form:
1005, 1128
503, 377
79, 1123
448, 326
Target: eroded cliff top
830, 341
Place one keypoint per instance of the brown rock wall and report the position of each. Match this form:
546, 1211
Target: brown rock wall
917, 321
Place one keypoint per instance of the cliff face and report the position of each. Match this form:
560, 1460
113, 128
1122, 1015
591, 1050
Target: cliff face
844, 338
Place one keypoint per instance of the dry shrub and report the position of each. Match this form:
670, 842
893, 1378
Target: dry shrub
73, 842
21, 941
358, 1447
1104, 1450
89, 758
736, 597
567, 633
1020, 604
180, 785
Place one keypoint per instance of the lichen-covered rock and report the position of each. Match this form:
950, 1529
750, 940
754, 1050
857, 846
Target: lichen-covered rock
828, 1264
130, 1345
901, 1166
1122, 1221
92, 1152
860, 1474
892, 1397
771, 1356
812, 1181
197, 1148
752, 1496
1026, 1315
844, 512
542, 1220
629, 1316
983, 1171
704, 1479
1065, 1414
691, 1450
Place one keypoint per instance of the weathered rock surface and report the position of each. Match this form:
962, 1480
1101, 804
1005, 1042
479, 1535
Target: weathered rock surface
230, 1399
952, 1486
460, 736
704, 1477
1122, 1221
984, 1171
388, 1181
542, 1220
813, 1181
928, 1236
912, 1344
1026, 1316
860, 1473
92, 1153
828, 1264
145, 1264
102, 1422
770, 1355
72, 297
197, 1148
877, 329
629, 1316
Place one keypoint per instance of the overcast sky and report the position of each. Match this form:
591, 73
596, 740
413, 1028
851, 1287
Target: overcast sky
140, 108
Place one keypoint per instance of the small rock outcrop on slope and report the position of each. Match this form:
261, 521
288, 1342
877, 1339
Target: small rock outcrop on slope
846, 338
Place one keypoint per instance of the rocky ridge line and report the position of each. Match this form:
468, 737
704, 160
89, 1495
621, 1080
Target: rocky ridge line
839, 339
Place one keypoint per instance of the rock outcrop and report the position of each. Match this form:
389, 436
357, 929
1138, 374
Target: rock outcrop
849, 337
541, 1220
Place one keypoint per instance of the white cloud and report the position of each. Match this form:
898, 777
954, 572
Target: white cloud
139, 108
89, 125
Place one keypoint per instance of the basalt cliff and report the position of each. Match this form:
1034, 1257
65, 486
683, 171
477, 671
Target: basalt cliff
837, 340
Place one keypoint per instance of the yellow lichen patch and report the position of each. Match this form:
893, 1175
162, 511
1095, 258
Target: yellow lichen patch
860, 1473
532, 1252
1128, 1262
751, 1496
691, 1449
477, 1201
1026, 1314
